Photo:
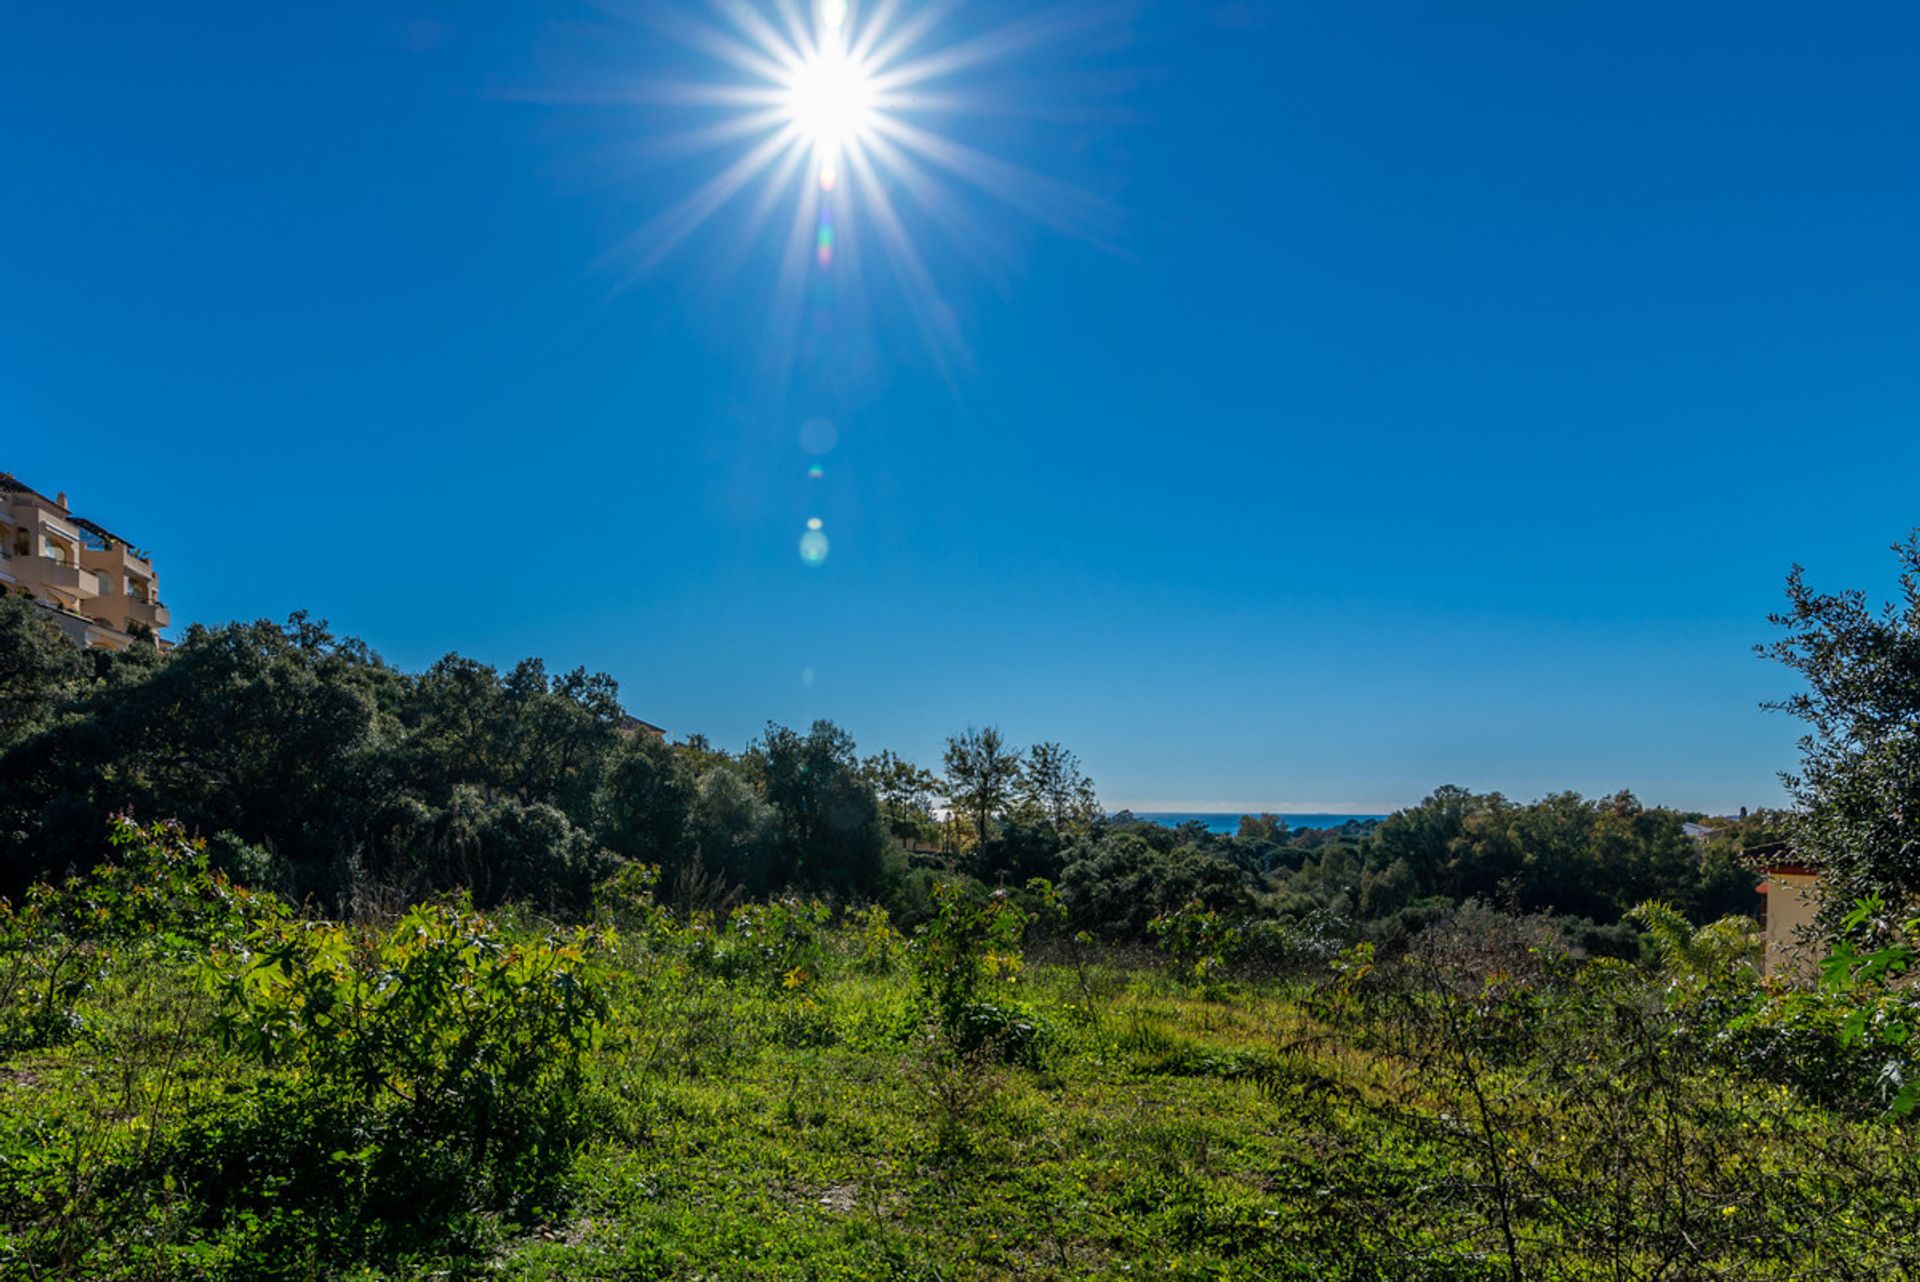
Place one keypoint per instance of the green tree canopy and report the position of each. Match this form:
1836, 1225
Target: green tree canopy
40, 670
982, 772
830, 830
1858, 786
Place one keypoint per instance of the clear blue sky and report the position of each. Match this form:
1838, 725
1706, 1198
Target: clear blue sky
1424, 393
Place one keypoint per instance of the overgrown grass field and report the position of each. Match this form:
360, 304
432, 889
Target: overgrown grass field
199, 1083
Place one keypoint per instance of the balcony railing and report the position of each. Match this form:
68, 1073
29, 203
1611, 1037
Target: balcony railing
69, 576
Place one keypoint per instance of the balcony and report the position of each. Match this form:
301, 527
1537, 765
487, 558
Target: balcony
54, 575
151, 613
118, 559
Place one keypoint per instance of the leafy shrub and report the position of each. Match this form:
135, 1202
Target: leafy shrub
803, 1023
1474, 943
968, 949
157, 899
780, 936
763, 941
1200, 940
878, 942
1848, 1051
442, 1041
1307, 942
627, 901
1620, 941
160, 890
1881, 1010
1848, 1044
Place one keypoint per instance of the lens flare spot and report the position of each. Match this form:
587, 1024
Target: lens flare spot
833, 14
814, 523
829, 177
818, 436
813, 549
806, 676
815, 472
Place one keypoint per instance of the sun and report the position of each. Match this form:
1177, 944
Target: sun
844, 115
830, 100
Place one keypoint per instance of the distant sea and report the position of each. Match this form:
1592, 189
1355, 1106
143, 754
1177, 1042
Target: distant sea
1231, 823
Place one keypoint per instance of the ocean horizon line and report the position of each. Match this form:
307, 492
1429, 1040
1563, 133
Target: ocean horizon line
1228, 821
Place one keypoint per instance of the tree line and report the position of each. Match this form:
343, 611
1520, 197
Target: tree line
316, 768
313, 766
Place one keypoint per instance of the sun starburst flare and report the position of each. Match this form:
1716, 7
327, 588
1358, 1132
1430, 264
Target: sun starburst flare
844, 116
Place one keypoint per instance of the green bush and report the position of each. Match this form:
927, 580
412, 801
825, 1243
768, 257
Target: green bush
1844, 1051
156, 900
778, 943
441, 1043
1201, 941
878, 942
628, 901
967, 962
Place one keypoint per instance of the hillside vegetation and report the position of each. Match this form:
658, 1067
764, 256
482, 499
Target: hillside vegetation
202, 1083
318, 771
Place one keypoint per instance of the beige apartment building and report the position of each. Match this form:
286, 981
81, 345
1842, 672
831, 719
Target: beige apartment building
96, 585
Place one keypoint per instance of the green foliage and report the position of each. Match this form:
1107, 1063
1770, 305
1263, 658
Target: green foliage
880, 945
906, 794
327, 774
324, 773
1201, 941
1858, 787
39, 668
626, 901
831, 835
967, 963
646, 799
1115, 885
733, 834
254, 730
1564, 854
1480, 1104
1874, 953
1054, 788
156, 900
454, 1047
778, 942
1719, 955
982, 771
1852, 1052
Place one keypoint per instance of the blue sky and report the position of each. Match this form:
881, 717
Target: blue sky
1413, 393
